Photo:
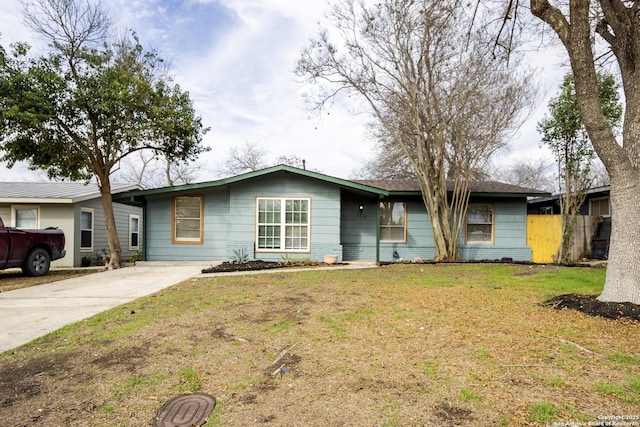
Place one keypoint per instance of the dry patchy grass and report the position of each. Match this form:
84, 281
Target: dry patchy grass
405, 345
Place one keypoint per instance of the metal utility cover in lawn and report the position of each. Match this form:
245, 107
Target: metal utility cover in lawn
186, 410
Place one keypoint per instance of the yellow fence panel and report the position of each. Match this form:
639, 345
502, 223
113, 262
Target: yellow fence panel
544, 234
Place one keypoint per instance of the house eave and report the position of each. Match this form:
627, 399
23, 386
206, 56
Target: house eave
284, 169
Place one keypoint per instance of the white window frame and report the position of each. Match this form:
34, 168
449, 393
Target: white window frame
600, 199
14, 214
492, 223
92, 229
283, 225
131, 246
390, 225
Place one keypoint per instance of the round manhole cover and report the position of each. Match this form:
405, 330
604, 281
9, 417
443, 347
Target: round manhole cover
186, 410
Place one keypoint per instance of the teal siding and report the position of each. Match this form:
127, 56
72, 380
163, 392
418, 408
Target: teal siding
358, 233
510, 235
338, 226
230, 220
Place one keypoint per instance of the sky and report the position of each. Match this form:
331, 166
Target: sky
236, 58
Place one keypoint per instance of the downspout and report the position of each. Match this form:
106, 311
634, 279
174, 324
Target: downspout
378, 231
144, 228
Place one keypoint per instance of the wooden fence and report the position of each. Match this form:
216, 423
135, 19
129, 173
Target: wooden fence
544, 234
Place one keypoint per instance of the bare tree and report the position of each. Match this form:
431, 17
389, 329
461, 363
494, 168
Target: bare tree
246, 158
536, 174
390, 161
436, 88
150, 171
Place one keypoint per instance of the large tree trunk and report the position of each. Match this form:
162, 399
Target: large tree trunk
110, 224
623, 272
622, 283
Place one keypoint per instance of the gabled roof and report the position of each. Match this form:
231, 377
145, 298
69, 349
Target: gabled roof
381, 188
282, 169
55, 192
487, 188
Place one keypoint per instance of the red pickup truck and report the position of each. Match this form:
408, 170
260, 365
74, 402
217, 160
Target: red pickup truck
31, 250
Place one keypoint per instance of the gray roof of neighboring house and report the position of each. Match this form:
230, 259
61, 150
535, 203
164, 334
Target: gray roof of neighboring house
55, 192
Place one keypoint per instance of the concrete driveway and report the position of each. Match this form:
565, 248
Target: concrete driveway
29, 313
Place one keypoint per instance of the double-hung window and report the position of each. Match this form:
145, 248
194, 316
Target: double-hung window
480, 223
134, 232
393, 221
187, 219
283, 224
86, 230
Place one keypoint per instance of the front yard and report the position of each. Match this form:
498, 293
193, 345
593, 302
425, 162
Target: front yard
405, 345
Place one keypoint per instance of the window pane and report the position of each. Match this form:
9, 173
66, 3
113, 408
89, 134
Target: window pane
26, 218
85, 239
85, 220
134, 240
479, 223
479, 214
479, 232
393, 221
188, 228
188, 210
288, 216
134, 225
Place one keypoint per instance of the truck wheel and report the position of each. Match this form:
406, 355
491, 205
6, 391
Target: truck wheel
37, 263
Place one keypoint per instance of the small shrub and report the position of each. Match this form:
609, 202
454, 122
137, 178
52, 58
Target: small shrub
240, 256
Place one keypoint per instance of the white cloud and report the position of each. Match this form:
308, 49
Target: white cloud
236, 58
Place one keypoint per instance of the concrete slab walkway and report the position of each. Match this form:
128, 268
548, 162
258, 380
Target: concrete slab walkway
29, 313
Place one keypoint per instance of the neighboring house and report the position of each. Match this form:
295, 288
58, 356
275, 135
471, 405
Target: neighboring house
596, 203
288, 212
76, 208
593, 228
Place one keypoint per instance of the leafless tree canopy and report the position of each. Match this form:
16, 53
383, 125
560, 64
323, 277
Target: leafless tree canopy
435, 86
68, 23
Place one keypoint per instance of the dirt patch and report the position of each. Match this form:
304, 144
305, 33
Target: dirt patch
589, 304
401, 345
452, 415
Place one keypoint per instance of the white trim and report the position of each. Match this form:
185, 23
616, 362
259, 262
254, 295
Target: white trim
93, 231
19, 207
283, 225
131, 247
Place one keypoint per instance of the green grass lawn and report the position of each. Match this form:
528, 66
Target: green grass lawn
434, 345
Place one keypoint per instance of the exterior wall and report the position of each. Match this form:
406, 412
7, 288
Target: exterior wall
216, 229
100, 243
230, 220
358, 230
510, 234
50, 215
60, 216
359, 233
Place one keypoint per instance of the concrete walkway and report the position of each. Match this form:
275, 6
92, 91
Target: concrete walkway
29, 313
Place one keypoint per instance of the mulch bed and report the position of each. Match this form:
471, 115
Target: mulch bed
253, 265
588, 304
